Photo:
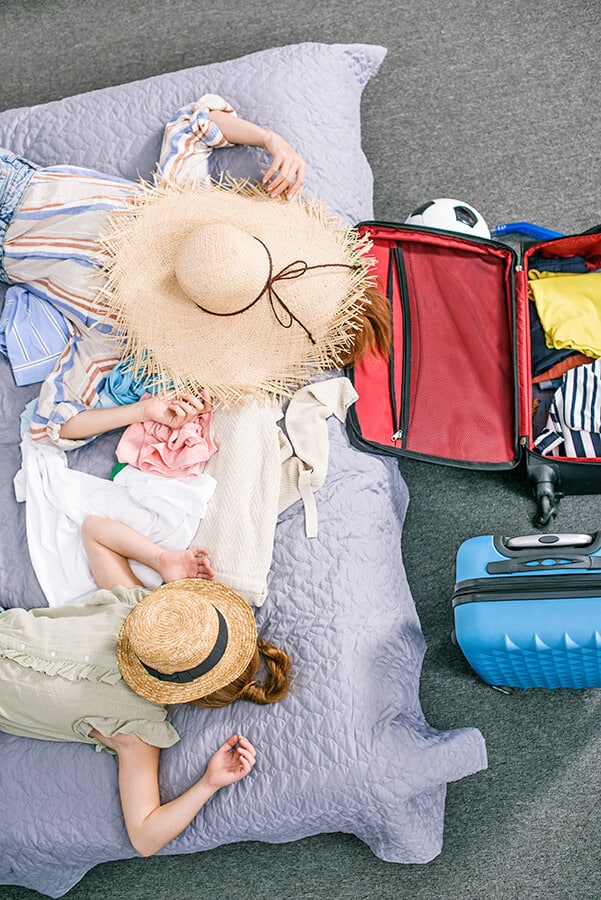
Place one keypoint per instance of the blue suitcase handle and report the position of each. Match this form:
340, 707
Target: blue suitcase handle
527, 228
538, 562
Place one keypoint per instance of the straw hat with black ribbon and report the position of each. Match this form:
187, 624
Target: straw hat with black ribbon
222, 287
185, 640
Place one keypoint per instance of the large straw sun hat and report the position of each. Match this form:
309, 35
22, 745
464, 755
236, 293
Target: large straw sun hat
186, 639
222, 287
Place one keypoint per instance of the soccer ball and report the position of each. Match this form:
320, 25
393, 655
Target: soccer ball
450, 215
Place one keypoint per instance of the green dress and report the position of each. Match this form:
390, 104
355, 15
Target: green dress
59, 676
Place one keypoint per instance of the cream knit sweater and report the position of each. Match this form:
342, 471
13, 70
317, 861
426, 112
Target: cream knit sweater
260, 471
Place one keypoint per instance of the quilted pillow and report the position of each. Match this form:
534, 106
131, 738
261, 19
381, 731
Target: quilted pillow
321, 120
349, 750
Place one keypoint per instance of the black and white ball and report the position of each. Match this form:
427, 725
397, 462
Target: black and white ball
450, 215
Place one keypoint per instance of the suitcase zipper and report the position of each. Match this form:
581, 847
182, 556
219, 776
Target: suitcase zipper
527, 587
391, 365
402, 418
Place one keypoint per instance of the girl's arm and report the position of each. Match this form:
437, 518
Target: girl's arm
150, 825
174, 412
110, 546
287, 171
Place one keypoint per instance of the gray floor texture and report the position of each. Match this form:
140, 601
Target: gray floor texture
497, 104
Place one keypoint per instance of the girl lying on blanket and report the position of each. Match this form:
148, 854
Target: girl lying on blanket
228, 287
119, 659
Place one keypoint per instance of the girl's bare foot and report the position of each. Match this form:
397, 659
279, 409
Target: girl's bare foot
172, 565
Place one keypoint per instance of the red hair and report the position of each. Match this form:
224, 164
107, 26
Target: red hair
375, 333
274, 686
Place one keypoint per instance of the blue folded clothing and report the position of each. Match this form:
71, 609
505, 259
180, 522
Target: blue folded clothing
33, 334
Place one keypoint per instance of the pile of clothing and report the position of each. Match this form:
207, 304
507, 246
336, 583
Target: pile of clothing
565, 336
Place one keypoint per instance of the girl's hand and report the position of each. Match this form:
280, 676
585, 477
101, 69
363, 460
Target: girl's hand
230, 763
287, 171
173, 412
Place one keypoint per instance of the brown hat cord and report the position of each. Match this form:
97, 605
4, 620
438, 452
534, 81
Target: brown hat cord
289, 271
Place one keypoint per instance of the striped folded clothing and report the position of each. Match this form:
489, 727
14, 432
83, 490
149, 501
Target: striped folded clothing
574, 422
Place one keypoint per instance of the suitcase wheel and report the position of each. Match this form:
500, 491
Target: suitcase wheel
544, 483
547, 510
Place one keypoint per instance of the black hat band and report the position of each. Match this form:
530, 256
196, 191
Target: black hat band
188, 675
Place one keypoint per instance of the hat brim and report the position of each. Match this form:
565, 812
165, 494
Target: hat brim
178, 345
241, 644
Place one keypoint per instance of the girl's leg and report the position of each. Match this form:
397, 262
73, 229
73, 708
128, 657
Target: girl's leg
15, 175
110, 545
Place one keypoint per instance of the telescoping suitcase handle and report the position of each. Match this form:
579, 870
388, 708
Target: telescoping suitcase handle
528, 228
544, 552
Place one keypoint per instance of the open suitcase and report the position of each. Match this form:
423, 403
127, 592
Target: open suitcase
458, 388
527, 610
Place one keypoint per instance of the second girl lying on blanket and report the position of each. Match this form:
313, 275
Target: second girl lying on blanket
103, 672
232, 288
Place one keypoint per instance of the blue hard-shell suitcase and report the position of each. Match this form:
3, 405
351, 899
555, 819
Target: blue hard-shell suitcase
527, 609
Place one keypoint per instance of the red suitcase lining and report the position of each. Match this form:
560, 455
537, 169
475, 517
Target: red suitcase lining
454, 335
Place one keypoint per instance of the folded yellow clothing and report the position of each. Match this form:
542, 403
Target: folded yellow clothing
569, 308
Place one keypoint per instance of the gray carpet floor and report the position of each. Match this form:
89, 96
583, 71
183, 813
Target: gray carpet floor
498, 104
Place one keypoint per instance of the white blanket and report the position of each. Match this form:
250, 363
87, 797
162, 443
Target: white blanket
165, 510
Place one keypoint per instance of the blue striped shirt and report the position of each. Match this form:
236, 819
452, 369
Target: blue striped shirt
574, 423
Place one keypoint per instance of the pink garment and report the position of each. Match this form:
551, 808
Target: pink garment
175, 452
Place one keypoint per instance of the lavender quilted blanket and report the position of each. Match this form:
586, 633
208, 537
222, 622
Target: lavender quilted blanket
349, 750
